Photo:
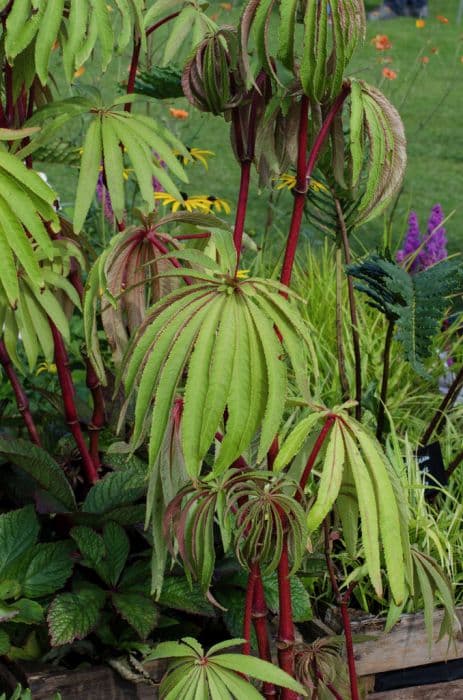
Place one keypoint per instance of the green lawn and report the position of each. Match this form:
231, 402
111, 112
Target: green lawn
429, 97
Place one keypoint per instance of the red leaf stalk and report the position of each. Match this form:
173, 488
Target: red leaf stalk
22, 401
153, 28
304, 173
259, 618
330, 687
286, 638
133, 71
242, 206
67, 391
313, 455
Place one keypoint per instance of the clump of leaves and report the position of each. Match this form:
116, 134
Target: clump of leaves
192, 673
220, 330
354, 463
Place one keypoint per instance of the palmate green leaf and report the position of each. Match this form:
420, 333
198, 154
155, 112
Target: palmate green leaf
41, 467
111, 133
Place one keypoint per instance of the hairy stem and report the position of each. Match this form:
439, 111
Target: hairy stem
313, 455
22, 401
352, 310
68, 392
339, 330
343, 602
384, 382
286, 640
446, 403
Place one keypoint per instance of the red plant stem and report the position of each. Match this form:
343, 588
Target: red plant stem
133, 70
67, 391
22, 401
304, 173
354, 691
239, 463
191, 236
343, 601
98, 418
136, 56
300, 191
286, 626
330, 687
313, 455
259, 618
165, 251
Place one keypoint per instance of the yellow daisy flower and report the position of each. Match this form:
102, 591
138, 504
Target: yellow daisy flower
198, 155
49, 367
199, 202
288, 181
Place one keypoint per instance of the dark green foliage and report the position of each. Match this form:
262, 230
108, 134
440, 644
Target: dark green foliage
415, 303
161, 82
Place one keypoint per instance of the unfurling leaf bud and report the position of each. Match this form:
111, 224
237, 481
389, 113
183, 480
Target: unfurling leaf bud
211, 79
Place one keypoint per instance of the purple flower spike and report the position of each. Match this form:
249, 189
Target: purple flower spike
436, 242
411, 243
433, 247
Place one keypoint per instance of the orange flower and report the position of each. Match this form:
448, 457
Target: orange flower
424, 59
227, 6
420, 23
178, 113
434, 50
442, 19
389, 74
80, 71
381, 42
